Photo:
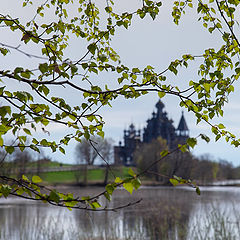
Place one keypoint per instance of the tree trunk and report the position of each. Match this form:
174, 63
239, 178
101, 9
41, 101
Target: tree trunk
106, 175
85, 173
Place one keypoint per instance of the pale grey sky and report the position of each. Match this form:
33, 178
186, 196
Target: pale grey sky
153, 43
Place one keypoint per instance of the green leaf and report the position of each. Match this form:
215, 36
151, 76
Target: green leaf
1, 141
161, 94
54, 196
35, 141
62, 150
9, 149
118, 180
164, 153
174, 181
207, 87
4, 129
205, 137
86, 134
70, 204
214, 130
110, 188
45, 90
101, 134
74, 69
192, 142
36, 179
221, 126
26, 74
131, 172
20, 191
92, 48
5, 190
25, 178
85, 198
183, 147
108, 196
43, 67
44, 142
4, 51
95, 205
44, 121
21, 147
129, 187
27, 131
198, 190
84, 105
102, 57
33, 147
136, 183
217, 137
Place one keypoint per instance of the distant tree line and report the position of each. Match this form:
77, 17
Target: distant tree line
203, 168
20, 162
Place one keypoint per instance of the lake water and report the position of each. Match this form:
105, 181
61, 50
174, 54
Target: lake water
163, 213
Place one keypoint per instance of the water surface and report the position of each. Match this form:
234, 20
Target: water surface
163, 213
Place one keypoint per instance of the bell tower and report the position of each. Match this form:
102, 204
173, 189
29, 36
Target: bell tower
182, 130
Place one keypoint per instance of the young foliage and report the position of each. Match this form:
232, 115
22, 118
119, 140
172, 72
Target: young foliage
23, 112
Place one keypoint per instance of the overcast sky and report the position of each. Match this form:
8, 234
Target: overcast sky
153, 43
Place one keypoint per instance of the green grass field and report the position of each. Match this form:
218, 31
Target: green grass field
93, 176
47, 164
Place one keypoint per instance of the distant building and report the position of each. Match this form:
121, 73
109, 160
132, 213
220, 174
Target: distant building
157, 126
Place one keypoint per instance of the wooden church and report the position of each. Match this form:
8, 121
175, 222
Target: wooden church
159, 125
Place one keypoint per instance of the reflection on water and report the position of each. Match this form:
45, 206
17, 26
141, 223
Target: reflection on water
164, 213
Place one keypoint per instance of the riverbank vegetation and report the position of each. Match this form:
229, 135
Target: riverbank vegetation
201, 169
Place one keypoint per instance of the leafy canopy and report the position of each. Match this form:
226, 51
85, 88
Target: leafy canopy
52, 28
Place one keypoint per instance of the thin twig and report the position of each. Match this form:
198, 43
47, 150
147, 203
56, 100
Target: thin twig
17, 48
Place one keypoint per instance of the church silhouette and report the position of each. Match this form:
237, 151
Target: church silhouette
159, 125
